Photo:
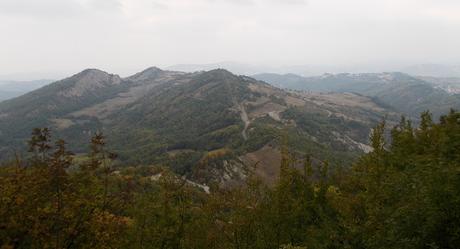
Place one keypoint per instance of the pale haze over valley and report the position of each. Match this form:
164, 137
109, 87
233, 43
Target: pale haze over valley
51, 39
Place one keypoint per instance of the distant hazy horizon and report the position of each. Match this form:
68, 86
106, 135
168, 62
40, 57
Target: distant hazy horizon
54, 38
436, 70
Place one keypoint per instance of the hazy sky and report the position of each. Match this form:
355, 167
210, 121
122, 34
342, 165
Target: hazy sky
124, 36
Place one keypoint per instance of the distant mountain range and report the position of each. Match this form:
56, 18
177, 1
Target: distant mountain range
398, 91
212, 124
433, 70
11, 89
450, 85
430, 70
247, 69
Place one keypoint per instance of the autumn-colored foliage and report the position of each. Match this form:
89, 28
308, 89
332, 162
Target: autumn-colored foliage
403, 194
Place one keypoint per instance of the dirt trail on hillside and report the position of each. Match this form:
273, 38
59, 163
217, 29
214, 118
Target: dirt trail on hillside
245, 119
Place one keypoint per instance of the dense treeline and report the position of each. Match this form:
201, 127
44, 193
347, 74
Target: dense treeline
404, 194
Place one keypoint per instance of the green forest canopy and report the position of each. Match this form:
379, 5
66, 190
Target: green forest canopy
404, 194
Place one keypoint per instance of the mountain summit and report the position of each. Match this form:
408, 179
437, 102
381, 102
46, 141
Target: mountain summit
88, 80
149, 73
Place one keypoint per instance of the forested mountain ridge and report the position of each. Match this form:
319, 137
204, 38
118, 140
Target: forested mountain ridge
183, 119
403, 93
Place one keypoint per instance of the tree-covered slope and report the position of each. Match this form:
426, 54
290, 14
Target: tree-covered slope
183, 119
46, 106
403, 194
